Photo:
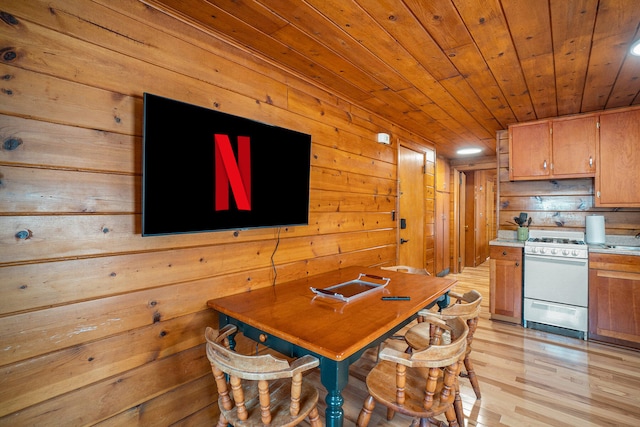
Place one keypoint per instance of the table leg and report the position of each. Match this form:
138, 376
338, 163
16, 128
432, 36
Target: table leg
334, 376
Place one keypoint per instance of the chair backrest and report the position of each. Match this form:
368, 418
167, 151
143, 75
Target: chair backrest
435, 357
261, 369
407, 269
466, 306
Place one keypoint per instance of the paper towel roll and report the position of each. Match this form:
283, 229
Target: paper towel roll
595, 229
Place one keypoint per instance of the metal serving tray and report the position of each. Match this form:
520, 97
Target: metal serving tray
348, 291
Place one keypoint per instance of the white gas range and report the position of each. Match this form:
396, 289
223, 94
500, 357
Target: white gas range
556, 282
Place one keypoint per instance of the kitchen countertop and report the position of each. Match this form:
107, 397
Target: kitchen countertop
507, 242
612, 240
507, 238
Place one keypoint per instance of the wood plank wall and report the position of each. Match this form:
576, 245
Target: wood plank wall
99, 325
557, 203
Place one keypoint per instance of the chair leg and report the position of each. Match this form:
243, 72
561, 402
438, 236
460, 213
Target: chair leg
457, 406
314, 418
365, 412
452, 419
222, 421
390, 414
428, 422
472, 376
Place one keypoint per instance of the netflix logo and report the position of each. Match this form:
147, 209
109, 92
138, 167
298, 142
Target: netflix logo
233, 173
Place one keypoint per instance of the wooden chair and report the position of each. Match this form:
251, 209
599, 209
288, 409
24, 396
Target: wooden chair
422, 384
264, 390
402, 269
443, 301
466, 307
407, 269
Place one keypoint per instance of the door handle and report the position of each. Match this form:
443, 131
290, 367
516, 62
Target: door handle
403, 241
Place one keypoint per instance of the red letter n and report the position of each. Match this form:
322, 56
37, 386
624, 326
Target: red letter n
232, 173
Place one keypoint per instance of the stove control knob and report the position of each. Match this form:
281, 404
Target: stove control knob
566, 252
574, 252
554, 251
543, 250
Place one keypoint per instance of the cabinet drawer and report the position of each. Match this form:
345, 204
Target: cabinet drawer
505, 252
614, 262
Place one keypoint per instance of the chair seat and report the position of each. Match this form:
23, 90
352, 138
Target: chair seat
279, 392
378, 385
418, 336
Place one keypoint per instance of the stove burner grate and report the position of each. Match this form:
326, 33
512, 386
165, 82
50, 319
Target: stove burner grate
560, 241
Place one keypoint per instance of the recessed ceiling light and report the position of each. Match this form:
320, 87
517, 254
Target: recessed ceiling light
469, 151
635, 48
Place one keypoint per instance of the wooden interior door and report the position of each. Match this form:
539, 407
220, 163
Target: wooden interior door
462, 224
411, 167
470, 221
481, 221
442, 219
442, 233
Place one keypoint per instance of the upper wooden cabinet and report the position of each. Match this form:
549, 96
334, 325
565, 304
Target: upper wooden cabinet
558, 148
618, 178
574, 147
530, 150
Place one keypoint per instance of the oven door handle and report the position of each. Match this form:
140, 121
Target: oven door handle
577, 261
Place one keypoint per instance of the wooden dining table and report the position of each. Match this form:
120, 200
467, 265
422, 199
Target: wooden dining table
294, 320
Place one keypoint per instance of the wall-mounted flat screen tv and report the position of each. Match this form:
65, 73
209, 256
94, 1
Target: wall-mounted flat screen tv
204, 170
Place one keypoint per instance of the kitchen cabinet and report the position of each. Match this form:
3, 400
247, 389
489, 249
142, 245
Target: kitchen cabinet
573, 149
614, 298
505, 283
530, 150
618, 177
557, 148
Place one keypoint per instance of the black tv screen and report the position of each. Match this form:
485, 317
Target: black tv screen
204, 170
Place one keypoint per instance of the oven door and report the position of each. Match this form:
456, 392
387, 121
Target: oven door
556, 279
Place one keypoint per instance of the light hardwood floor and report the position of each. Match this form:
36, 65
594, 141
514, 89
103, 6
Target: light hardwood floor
527, 377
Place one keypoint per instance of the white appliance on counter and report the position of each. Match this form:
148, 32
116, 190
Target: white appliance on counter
595, 233
556, 282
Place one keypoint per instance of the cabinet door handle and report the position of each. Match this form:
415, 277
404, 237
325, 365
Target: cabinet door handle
504, 252
544, 165
590, 161
517, 264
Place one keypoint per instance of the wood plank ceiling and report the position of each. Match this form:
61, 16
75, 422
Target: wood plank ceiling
452, 71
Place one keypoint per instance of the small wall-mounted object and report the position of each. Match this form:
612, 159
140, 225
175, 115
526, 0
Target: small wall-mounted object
384, 138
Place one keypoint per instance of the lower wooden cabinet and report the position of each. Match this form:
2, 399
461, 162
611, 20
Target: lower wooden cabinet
614, 299
505, 287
